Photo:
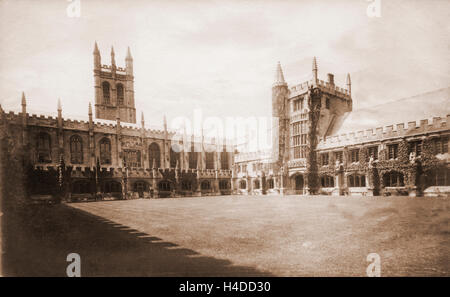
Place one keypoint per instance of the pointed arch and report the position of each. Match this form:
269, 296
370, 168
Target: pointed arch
43, 148
105, 151
106, 92
120, 94
174, 157
154, 155
76, 149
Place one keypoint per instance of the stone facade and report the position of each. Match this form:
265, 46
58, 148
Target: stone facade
114, 89
311, 155
112, 159
110, 156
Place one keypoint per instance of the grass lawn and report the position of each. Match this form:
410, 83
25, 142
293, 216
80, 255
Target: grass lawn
238, 236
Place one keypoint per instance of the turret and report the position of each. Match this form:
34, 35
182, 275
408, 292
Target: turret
165, 163
97, 57
1, 114
24, 105
280, 94
129, 63
24, 121
165, 124
314, 70
90, 112
279, 77
113, 58
118, 122
59, 114
348, 82
59, 108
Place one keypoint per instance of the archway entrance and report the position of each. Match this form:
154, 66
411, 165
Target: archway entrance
299, 183
140, 187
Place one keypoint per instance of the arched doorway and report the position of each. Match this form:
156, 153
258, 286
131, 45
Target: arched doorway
205, 186
299, 183
140, 187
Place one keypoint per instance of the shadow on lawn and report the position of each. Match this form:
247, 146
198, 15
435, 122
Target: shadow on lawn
37, 240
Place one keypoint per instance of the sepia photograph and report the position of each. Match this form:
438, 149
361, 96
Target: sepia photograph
241, 140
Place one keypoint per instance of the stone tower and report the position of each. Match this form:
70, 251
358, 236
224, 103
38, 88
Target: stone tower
303, 114
114, 89
280, 114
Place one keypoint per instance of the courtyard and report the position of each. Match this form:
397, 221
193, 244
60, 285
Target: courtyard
232, 236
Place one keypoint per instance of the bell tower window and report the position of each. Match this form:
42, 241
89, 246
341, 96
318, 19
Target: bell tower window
120, 94
106, 94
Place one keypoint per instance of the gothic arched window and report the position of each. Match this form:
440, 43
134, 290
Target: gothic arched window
224, 185
393, 179
224, 160
174, 157
209, 160
105, 151
43, 148
120, 94
76, 150
193, 156
106, 95
206, 185
154, 155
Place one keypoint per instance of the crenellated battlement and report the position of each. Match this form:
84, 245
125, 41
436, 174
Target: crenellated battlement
331, 88
249, 156
387, 132
301, 88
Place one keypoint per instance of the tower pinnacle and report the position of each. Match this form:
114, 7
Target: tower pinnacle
129, 57
59, 104
96, 51
165, 123
348, 82
314, 69
113, 59
24, 101
279, 77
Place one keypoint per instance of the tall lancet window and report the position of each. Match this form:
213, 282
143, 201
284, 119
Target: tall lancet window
105, 151
106, 94
120, 94
209, 160
193, 155
76, 150
224, 159
44, 148
154, 155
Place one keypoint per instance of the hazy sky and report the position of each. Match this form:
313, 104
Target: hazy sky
219, 56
